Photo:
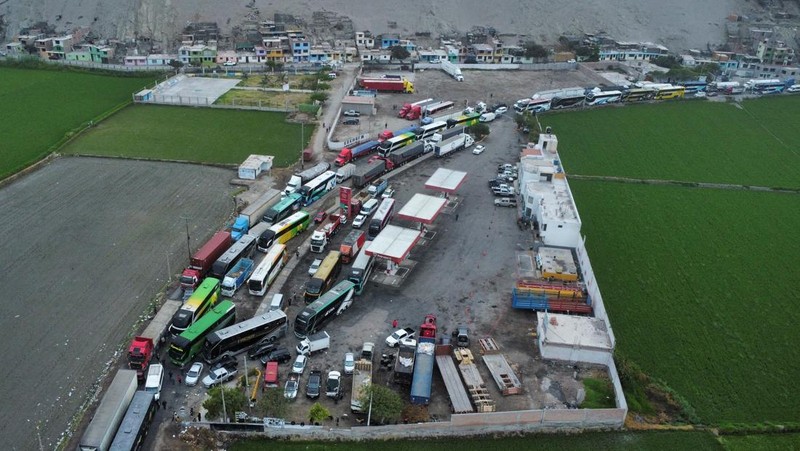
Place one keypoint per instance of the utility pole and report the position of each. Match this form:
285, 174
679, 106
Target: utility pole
188, 244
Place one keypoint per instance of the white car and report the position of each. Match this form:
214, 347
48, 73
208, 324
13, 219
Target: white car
218, 376
193, 376
409, 341
351, 113
349, 363
399, 334
299, 365
478, 149
314, 266
500, 110
229, 63
387, 193
290, 389
359, 221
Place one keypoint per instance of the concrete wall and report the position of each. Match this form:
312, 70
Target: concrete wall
468, 67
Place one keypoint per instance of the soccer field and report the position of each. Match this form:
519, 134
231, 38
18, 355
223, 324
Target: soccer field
40, 106
700, 284
204, 135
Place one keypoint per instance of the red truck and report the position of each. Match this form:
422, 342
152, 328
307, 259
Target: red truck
144, 346
347, 154
387, 85
201, 261
352, 244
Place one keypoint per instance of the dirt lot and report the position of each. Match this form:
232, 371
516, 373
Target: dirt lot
86, 249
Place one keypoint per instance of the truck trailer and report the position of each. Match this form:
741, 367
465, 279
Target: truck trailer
453, 144
144, 346
347, 154
201, 261
367, 173
351, 245
297, 180
236, 277
423, 362
452, 70
345, 172
387, 85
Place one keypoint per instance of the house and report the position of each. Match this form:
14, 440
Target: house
15, 48
389, 40
364, 40
483, 53
431, 56
197, 54
44, 46
759, 70
61, 45
300, 50
770, 51
135, 60
93, 53
633, 51
225, 56
160, 59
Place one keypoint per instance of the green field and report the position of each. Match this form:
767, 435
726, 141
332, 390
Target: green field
194, 134
701, 288
765, 442
757, 144
589, 441
39, 107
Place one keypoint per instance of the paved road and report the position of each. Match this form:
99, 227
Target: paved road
87, 246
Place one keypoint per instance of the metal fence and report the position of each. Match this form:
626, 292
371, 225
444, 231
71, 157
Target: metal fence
92, 65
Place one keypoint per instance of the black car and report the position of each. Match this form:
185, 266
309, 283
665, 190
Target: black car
314, 383
227, 361
280, 355
260, 349
351, 121
496, 182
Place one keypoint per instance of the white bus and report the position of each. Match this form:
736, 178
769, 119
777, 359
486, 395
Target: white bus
381, 218
362, 268
267, 270
603, 97
318, 187
426, 131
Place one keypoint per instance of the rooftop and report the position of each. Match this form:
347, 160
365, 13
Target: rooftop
575, 331
446, 180
422, 208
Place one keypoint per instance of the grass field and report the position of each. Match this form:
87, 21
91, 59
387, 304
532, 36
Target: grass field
589, 441
758, 144
270, 99
39, 107
194, 134
765, 442
701, 287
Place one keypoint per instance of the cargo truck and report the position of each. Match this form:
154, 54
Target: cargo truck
453, 144
347, 154
452, 70
313, 343
357, 202
322, 236
404, 365
362, 377
408, 108
201, 261
297, 180
377, 187
109, 414
236, 277
423, 362
145, 346
352, 244
253, 213
403, 155
387, 85
345, 172
367, 173
445, 134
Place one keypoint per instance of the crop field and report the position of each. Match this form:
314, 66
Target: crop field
202, 135
761, 442
701, 287
588, 441
39, 107
757, 143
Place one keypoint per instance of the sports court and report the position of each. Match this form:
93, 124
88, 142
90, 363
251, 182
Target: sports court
185, 90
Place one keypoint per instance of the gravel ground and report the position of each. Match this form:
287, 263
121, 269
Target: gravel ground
87, 246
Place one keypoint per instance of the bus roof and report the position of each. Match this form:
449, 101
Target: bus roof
201, 293
200, 327
246, 326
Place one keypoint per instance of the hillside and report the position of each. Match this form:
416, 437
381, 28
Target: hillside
679, 24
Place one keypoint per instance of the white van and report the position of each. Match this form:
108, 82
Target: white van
794, 88
277, 302
155, 379
369, 207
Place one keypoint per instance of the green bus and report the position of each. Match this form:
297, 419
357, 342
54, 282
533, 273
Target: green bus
331, 304
186, 345
283, 209
203, 298
284, 230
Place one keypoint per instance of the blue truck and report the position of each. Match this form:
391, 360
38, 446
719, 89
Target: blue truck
424, 362
236, 277
253, 213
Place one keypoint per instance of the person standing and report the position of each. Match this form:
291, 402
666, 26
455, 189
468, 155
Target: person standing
394, 324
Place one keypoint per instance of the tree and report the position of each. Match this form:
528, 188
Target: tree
534, 50
265, 81
319, 96
386, 404
399, 53
479, 130
176, 64
273, 404
667, 61
318, 413
234, 400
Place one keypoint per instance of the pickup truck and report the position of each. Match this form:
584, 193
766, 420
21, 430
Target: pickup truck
218, 376
394, 339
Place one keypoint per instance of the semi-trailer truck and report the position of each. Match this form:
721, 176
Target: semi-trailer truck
322, 236
352, 244
347, 154
144, 346
387, 85
201, 261
367, 173
452, 70
253, 213
453, 144
345, 172
236, 277
297, 180
423, 362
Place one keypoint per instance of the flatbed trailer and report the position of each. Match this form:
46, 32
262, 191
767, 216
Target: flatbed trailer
503, 375
477, 389
459, 401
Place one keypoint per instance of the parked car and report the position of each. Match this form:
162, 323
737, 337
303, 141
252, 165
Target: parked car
332, 75
358, 221
226, 360
351, 113
506, 167
333, 384
229, 63
290, 390
387, 193
351, 121
320, 216
299, 365
314, 383
478, 149
219, 376
314, 266
394, 339
496, 182
260, 349
409, 341
193, 376
505, 202
349, 363
280, 355
500, 110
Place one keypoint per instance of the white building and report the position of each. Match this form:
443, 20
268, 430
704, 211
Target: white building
546, 195
573, 338
254, 165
